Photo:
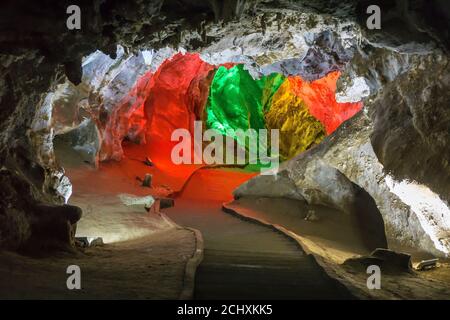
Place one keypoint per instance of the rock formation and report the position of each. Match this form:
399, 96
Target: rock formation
401, 75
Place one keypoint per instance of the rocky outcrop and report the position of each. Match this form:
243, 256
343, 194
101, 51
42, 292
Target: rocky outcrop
236, 101
403, 130
292, 40
390, 261
299, 130
335, 171
419, 125
401, 135
409, 132
32, 226
36, 51
80, 144
383, 71
108, 83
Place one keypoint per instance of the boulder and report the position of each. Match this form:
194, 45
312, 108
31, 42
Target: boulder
387, 260
393, 259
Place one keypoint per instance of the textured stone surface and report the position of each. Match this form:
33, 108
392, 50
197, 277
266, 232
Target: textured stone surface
388, 260
169, 105
404, 130
84, 140
357, 164
237, 101
36, 50
404, 65
299, 130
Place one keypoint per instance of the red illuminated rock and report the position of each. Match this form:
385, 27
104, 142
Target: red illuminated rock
175, 101
319, 96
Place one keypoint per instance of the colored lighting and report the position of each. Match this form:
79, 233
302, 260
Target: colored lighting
319, 96
186, 89
299, 130
237, 101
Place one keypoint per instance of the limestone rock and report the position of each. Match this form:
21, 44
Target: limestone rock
311, 216
82, 142
387, 260
132, 200
405, 131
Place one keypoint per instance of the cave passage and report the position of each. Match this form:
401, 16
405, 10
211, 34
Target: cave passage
179, 94
185, 89
181, 149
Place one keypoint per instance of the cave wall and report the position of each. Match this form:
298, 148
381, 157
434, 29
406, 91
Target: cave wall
401, 134
37, 52
406, 132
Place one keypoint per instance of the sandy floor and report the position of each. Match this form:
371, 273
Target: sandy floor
242, 259
105, 215
98, 193
333, 248
333, 235
144, 256
148, 268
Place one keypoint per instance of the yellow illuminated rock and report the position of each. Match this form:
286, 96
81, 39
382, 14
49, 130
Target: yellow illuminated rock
299, 130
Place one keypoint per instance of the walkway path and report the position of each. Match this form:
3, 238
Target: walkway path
244, 260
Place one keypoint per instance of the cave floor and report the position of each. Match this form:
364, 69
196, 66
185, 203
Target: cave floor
333, 248
151, 267
242, 259
145, 254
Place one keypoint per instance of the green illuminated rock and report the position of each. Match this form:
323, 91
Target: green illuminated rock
237, 101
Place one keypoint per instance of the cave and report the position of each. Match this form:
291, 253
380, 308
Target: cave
226, 150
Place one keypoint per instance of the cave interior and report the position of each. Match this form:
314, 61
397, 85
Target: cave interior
210, 133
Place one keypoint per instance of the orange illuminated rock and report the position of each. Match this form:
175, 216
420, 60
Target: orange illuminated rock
319, 96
